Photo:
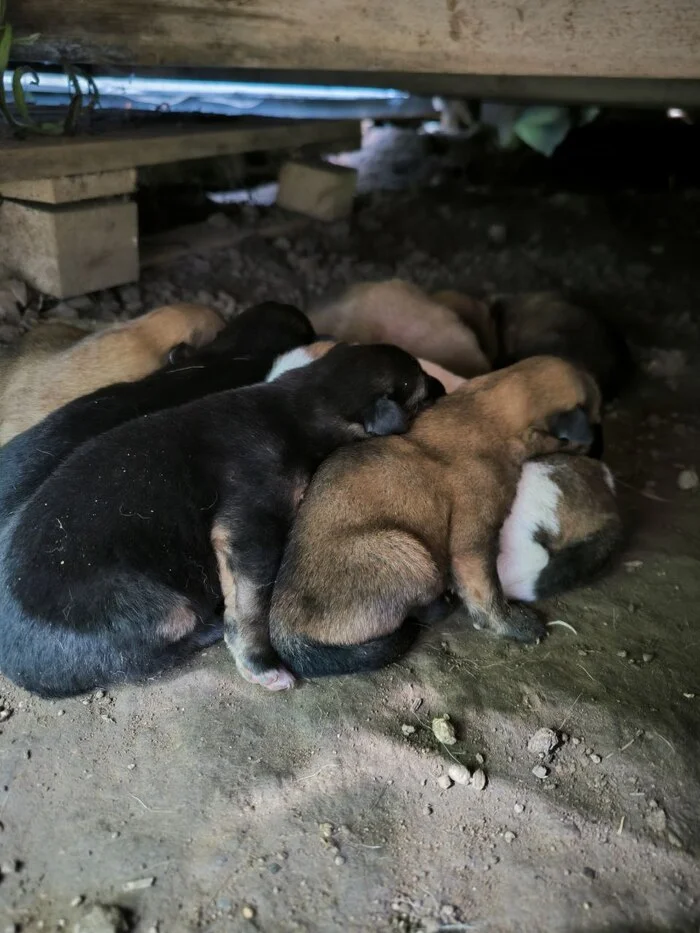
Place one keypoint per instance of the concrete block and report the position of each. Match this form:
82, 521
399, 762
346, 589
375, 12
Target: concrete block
316, 188
69, 188
70, 249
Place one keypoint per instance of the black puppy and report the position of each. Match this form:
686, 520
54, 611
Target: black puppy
119, 560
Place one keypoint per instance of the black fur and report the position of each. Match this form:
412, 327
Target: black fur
578, 564
306, 657
111, 535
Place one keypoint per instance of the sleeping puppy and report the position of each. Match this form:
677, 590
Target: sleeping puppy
57, 362
388, 526
537, 323
400, 313
563, 528
120, 560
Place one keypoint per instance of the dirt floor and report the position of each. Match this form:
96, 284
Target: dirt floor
204, 803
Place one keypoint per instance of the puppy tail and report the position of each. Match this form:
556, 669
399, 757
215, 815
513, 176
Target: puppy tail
306, 657
579, 563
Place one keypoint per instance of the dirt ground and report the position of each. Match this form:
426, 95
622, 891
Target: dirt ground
202, 803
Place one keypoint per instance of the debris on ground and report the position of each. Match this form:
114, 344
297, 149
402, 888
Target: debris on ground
443, 730
102, 919
543, 742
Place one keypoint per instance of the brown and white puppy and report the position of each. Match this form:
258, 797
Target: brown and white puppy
57, 362
563, 528
386, 528
535, 323
400, 313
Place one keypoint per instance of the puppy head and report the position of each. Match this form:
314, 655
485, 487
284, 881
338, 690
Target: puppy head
551, 403
378, 388
263, 331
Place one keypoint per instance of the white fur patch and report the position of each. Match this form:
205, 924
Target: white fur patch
521, 558
292, 359
608, 477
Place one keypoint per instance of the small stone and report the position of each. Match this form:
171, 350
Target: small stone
81, 303
9, 868
479, 758
5, 714
575, 741
326, 830
540, 772
509, 836
100, 695
218, 220
102, 919
622, 654
647, 658
443, 730
518, 808
687, 480
444, 782
543, 742
479, 779
248, 912
77, 901
140, 884
497, 234
586, 905
408, 730
63, 312
459, 774
339, 860
596, 759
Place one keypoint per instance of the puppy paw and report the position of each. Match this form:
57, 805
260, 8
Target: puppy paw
272, 678
523, 624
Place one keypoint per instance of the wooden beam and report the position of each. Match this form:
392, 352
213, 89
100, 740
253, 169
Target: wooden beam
601, 38
49, 158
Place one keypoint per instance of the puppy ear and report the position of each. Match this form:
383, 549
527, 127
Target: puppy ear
180, 353
385, 416
572, 426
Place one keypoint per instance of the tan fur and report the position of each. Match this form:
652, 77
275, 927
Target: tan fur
56, 362
180, 622
587, 505
474, 314
400, 313
387, 525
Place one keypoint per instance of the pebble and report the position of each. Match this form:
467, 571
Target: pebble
510, 836
444, 782
459, 774
518, 808
63, 312
540, 772
102, 919
479, 779
622, 654
339, 860
443, 730
248, 912
646, 657
408, 730
497, 234
543, 742
687, 480
596, 759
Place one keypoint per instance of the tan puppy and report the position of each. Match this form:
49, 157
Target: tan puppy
533, 323
475, 315
400, 313
57, 362
387, 527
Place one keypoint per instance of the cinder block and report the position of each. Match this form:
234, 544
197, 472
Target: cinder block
317, 189
70, 249
69, 188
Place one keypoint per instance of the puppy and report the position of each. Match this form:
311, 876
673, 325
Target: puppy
563, 528
388, 526
474, 314
57, 362
537, 323
123, 558
400, 313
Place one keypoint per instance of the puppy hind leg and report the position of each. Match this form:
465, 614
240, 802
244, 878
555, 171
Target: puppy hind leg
246, 627
477, 585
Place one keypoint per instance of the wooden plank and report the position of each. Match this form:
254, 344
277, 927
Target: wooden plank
48, 158
603, 38
68, 188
